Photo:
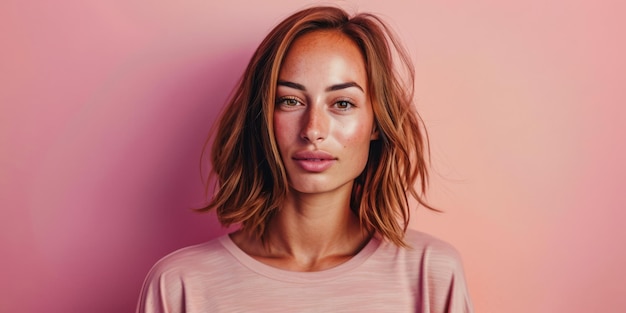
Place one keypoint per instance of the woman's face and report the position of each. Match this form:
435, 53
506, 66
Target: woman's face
323, 120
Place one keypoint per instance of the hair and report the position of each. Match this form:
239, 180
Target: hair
251, 178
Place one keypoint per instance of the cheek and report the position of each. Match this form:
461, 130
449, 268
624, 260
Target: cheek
355, 134
356, 144
282, 129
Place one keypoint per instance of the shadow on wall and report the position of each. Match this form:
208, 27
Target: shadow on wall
129, 163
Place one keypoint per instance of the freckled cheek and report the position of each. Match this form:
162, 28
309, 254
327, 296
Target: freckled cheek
351, 135
283, 129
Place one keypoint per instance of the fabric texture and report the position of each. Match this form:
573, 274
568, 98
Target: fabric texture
217, 276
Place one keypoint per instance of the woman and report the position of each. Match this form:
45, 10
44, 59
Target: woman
314, 156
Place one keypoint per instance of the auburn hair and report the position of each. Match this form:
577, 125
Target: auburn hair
251, 178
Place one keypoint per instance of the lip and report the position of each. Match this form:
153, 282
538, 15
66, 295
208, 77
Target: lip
314, 161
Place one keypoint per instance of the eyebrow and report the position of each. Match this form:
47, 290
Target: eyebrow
331, 88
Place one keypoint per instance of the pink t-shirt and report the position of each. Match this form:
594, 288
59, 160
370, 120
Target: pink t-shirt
217, 276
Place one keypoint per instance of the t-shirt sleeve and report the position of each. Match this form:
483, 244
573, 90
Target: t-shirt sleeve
162, 291
443, 285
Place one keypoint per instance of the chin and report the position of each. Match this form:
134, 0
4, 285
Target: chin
320, 188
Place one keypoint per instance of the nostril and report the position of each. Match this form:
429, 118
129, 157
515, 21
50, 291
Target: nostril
314, 125
312, 134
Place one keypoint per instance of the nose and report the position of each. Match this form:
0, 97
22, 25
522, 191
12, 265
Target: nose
315, 124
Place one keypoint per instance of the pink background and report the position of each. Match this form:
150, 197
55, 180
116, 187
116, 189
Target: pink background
105, 106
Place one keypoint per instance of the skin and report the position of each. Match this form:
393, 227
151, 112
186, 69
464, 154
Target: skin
324, 125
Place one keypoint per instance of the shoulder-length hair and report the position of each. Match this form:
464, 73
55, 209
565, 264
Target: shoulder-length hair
251, 177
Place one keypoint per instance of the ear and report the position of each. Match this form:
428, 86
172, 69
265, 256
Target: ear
375, 132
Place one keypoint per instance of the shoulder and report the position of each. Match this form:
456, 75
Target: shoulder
432, 249
192, 258
170, 282
424, 256
191, 263
436, 258
441, 276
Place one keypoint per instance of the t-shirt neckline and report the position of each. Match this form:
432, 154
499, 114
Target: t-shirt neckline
299, 277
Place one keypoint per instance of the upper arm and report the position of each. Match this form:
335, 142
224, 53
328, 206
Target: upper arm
162, 291
442, 283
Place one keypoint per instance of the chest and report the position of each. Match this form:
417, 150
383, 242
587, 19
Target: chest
366, 290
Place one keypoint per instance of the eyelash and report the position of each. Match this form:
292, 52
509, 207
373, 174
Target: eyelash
350, 105
282, 101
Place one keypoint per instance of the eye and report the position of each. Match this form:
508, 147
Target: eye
288, 101
343, 105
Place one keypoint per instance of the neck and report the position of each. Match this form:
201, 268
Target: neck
309, 232
314, 225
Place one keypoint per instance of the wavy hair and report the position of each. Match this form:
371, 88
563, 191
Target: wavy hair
251, 178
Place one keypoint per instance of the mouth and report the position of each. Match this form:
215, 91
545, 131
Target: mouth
314, 161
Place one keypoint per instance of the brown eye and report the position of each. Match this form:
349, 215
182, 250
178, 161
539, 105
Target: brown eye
343, 105
289, 102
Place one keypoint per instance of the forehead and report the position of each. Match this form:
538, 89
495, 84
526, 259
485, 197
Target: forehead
322, 37
320, 48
